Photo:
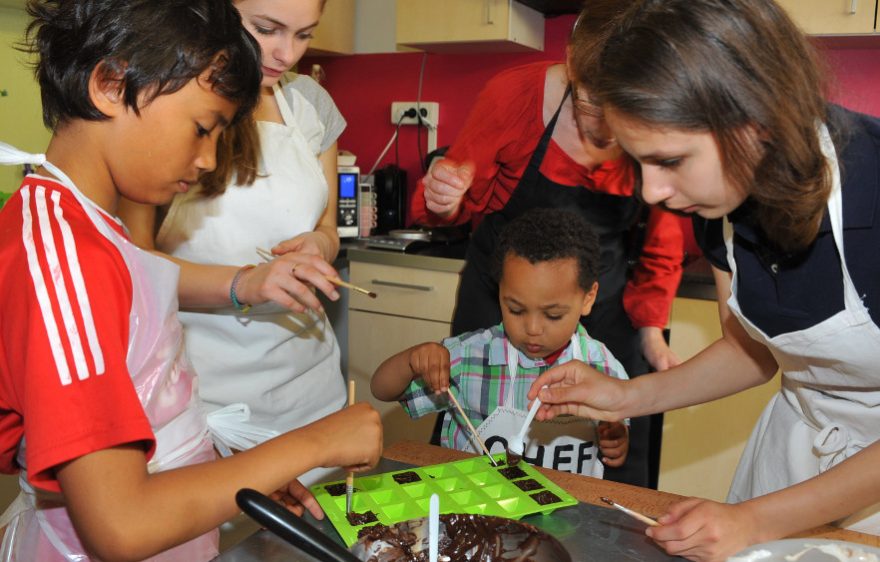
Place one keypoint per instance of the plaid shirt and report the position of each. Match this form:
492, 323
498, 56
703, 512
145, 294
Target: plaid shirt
479, 378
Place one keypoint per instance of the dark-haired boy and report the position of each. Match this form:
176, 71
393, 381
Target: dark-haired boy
546, 264
98, 406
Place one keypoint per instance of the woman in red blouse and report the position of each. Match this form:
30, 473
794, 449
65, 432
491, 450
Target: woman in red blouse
531, 141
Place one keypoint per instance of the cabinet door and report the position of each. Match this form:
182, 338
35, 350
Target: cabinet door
405, 291
702, 444
469, 25
374, 337
830, 17
335, 33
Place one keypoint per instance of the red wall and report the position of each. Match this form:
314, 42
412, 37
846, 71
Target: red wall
364, 86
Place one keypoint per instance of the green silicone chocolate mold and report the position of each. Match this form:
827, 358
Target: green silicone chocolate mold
467, 486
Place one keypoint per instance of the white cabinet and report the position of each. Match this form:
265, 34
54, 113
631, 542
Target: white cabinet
833, 17
413, 306
335, 32
702, 444
459, 26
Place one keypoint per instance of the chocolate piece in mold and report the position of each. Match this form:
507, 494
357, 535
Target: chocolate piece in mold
407, 477
356, 519
545, 497
337, 489
528, 485
512, 472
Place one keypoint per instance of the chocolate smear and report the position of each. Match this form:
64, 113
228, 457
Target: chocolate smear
357, 519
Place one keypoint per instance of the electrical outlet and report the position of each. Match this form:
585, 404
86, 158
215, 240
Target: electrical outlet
430, 110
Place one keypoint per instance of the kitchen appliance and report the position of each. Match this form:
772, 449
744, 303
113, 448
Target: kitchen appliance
348, 179
443, 241
366, 206
390, 189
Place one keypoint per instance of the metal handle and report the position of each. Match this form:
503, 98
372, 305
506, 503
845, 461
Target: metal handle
488, 5
402, 285
853, 6
291, 528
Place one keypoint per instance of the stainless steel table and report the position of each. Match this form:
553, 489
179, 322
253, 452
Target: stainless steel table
589, 532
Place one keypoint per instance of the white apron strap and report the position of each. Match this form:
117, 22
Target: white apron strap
283, 106
230, 429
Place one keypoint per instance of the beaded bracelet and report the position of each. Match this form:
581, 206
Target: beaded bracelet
232, 296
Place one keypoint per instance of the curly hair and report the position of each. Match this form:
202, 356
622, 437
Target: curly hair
722, 66
542, 235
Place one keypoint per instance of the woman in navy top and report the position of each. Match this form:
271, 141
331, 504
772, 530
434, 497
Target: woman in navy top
721, 105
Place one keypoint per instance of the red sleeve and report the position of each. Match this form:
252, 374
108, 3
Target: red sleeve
498, 136
63, 377
648, 295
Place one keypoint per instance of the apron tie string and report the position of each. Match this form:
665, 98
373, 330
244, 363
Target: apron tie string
834, 444
11, 156
230, 430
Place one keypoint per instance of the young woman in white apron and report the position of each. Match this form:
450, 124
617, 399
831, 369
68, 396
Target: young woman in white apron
829, 406
714, 140
285, 367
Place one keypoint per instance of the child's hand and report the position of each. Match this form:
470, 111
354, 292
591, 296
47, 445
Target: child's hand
350, 438
297, 498
613, 443
431, 362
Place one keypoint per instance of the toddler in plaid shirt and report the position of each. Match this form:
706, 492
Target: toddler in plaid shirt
546, 264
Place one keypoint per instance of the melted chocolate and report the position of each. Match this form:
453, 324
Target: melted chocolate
336, 489
378, 527
545, 497
465, 538
528, 485
512, 472
406, 477
355, 519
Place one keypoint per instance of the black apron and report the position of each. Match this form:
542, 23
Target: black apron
612, 218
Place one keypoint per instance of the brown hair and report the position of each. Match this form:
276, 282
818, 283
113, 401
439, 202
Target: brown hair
238, 152
593, 25
721, 66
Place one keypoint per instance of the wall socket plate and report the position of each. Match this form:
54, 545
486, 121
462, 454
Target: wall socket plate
430, 111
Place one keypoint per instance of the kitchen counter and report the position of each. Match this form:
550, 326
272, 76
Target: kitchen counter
696, 282
590, 531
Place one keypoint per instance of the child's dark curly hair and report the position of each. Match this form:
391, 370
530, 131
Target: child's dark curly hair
541, 235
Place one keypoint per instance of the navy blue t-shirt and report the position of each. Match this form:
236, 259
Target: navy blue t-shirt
783, 293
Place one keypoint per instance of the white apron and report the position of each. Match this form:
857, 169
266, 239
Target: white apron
829, 406
566, 443
284, 367
166, 385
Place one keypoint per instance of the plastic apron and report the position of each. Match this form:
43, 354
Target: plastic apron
829, 406
284, 367
566, 443
38, 524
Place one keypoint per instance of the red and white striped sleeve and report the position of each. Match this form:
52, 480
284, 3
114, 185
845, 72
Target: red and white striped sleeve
64, 335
